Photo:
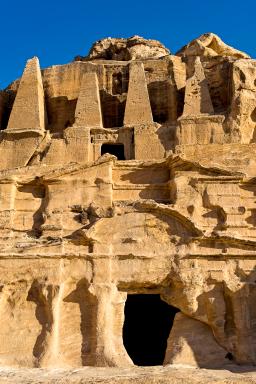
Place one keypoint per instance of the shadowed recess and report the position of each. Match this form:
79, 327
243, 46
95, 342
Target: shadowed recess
114, 149
148, 321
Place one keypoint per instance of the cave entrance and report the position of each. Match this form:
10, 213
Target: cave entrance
114, 149
148, 321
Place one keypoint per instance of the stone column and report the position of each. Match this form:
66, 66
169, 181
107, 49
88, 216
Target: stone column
88, 109
87, 115
138, 109
197, 96
7, 208
26, 126
53, 212
109, 348
28, 112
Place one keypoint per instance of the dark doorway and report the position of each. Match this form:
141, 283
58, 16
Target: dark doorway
148, 321
114, 149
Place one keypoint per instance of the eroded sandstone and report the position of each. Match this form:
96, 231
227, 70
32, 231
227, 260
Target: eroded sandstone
129, 172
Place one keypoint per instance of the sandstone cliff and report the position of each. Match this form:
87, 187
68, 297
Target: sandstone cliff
124, 174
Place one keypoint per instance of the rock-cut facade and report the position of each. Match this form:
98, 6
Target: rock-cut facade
129, 174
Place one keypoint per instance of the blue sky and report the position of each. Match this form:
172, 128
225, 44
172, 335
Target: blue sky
58, 30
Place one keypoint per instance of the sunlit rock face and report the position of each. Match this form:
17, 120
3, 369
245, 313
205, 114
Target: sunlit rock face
133, 48
128, 209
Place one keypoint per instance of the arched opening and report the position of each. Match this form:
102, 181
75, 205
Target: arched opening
147, 325
114, 149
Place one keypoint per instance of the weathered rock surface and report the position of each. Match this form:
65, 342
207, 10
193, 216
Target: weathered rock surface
210, 45
133, 48
126, 174
175, 374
